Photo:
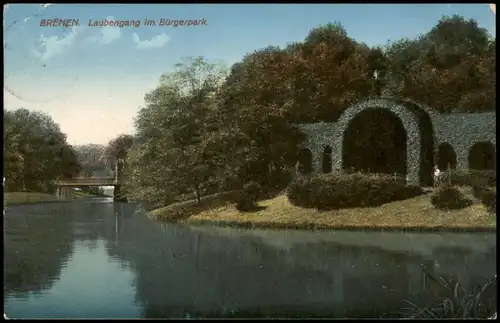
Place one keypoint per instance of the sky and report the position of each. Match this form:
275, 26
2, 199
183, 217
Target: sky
91, 80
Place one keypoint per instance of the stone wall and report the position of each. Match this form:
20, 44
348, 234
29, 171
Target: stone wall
460, 130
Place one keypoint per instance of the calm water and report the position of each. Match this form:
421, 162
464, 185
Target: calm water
97, 259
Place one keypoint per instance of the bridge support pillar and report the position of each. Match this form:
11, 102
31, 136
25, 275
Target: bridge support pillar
68, 190
64, 192
118, 195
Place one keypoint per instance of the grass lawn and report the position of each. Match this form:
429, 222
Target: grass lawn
416, 213
34, 197
27, 197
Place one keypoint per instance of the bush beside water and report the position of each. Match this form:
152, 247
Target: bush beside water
340, 190
248, 197
489, 199
448, 197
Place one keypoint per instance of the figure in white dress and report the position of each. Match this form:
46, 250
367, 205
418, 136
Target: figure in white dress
437, 173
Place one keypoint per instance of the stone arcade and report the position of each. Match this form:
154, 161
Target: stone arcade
456, 140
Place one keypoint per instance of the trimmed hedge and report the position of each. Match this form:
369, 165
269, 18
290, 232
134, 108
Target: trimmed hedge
449, 197
340, 190
474, 178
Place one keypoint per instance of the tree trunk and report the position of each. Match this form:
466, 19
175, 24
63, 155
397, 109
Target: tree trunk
198, 195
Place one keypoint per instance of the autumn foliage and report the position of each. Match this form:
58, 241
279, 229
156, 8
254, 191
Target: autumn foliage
203, 130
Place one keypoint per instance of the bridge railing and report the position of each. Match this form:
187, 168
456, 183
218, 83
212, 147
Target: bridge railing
87, 181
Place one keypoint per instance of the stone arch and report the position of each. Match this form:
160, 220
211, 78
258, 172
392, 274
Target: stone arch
413, 119
446, 156
420, 106
305, 161
427, 129
382, 146
482, 156
326, 163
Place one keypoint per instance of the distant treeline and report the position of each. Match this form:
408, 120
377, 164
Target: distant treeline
36, 153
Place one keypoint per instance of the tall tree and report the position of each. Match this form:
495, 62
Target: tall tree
13, 167
116, 151
92, 160
173, 131
271, 89
36, 150
451, 68
332, 71
258, 140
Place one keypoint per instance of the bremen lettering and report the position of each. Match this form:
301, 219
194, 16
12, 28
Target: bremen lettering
59, 22
177, 23
114, 23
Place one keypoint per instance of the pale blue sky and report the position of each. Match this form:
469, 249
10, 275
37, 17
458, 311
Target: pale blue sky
92, 80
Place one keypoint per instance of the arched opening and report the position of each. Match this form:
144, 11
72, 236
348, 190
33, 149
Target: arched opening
446, 157
482, 156
375, 142
326, 165
305, 161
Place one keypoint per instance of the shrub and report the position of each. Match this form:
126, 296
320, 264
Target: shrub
449, 197
252, 190
478, 190
474, 178
334, 191
409, 191
489, 199
302, 191
248, 197
279, 179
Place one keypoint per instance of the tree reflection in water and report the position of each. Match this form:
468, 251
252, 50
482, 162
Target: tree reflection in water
216, 272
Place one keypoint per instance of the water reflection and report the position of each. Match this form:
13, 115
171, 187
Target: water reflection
36, 248
125, 265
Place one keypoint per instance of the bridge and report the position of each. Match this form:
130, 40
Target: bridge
86, 181
65, 186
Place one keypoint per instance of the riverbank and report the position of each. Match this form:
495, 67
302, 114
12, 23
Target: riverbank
15, 198
415, 214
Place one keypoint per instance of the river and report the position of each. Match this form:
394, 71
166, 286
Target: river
98, 259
